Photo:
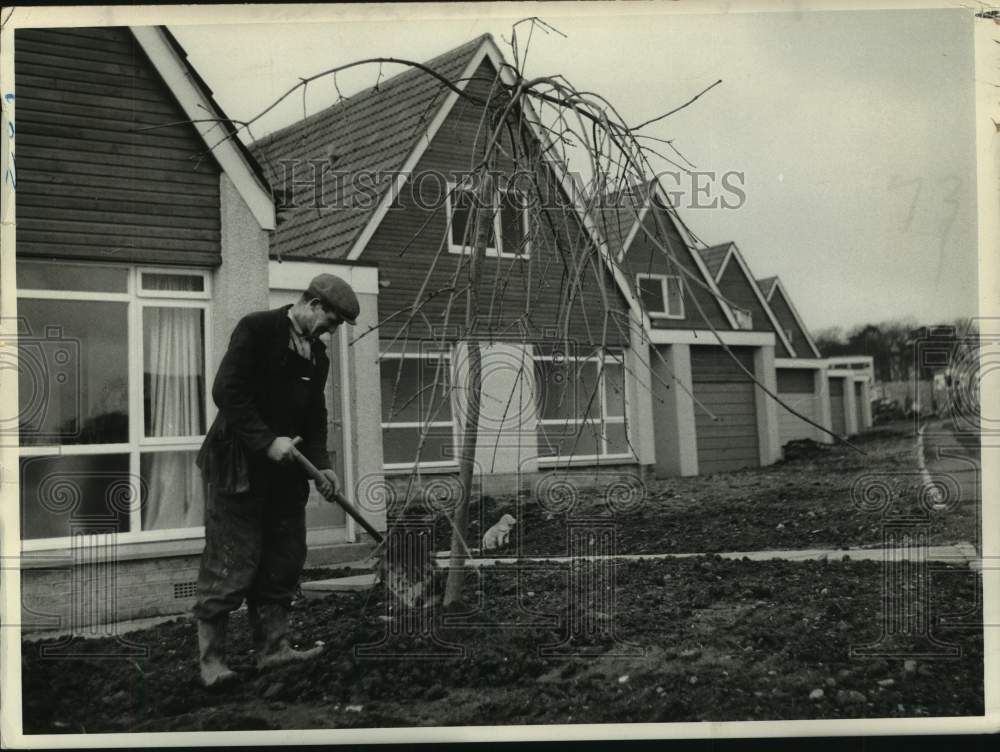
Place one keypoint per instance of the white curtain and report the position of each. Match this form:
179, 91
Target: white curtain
174, 366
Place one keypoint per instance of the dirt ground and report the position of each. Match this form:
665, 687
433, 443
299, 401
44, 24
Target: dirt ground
692, 639
829, 498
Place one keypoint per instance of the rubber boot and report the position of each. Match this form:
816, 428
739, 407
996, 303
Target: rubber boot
212, 651
277, 650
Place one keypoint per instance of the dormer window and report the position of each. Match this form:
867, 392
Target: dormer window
661, 295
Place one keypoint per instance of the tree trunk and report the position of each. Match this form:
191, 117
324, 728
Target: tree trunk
470, 431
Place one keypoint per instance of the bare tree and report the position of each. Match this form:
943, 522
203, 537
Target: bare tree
530, 129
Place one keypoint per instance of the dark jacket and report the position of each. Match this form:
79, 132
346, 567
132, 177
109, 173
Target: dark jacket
263, 390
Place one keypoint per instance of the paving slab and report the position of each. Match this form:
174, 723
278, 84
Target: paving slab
353, 584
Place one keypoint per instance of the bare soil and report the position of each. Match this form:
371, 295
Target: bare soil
680, 640
692, 639
831, 498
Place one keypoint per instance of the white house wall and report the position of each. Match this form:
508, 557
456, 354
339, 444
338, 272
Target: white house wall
239, 285
815, 404
640, 389
507, 443
673, 411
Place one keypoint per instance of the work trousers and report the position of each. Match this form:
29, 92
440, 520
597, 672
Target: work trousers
255, 544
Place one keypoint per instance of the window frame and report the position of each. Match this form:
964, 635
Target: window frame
664, 287
138, 444
605, 456
452, 186
204, 294
401, 467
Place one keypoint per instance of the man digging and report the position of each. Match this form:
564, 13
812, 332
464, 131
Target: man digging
270, 392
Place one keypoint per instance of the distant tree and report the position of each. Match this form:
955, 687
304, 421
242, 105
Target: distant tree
830, 341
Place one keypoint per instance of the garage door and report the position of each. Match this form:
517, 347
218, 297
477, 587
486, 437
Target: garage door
837, 417
731, 441
796, 389
859, 407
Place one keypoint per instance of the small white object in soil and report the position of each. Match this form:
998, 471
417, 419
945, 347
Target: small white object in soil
824, 591
623, 679
693, 680
816, 694
886, 682
354, 708
909, 665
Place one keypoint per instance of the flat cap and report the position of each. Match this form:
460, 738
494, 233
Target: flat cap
337, 295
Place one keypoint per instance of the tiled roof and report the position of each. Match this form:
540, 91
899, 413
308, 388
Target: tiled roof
374, 131
766, 285
617, 214
713, 257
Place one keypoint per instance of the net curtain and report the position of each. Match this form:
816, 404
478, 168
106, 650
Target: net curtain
175, 375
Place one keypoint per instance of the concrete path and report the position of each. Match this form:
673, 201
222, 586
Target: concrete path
953, 457
960, 553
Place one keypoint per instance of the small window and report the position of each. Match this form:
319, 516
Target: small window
159, 284
581, 408
744, 318
507, 232
461, 215
417, 426
661, 295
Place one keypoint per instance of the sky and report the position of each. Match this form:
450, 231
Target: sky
851, 132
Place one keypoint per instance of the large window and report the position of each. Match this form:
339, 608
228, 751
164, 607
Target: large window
661, 295
507, 232
581, 408
112, 400
417, 425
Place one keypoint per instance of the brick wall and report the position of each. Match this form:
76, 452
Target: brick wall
64, 597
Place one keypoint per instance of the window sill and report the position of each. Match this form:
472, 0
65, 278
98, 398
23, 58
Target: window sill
62, 556
588, 460
424, 469
461, 250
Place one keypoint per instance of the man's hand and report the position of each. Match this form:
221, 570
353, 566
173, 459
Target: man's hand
281, 449
330, 487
